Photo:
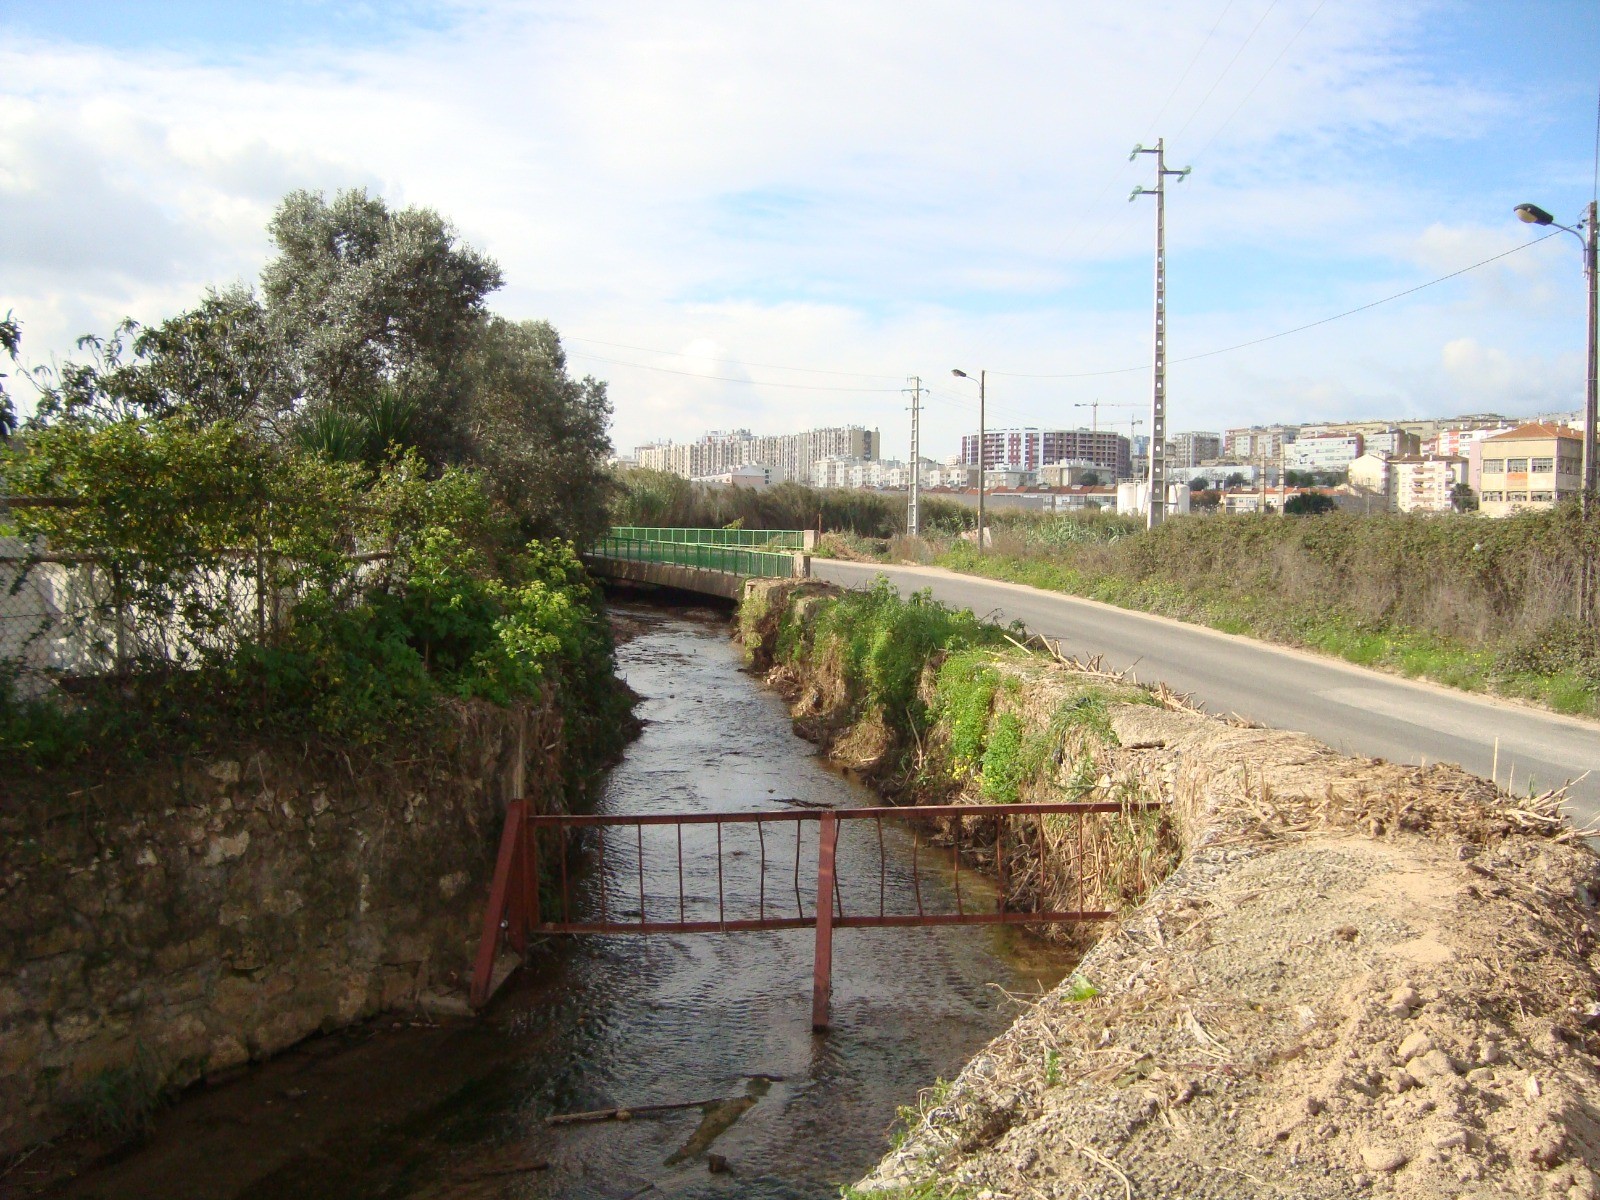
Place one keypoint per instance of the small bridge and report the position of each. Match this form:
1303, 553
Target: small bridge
714, 562
780, 869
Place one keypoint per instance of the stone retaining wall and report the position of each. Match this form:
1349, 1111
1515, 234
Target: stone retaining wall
182, 921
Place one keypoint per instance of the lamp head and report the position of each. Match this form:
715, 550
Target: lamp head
1138, 149
1533, 215
958, 372
1137, 192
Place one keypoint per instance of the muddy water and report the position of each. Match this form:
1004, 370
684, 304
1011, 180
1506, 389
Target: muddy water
414, 1109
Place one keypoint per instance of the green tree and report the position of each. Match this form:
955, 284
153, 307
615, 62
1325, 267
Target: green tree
1199, 484
362, 298
1090, 479
11, 343
1237, 479
538, 435
1310, 504
1463, 498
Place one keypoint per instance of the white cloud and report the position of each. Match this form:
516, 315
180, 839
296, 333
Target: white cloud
854, 187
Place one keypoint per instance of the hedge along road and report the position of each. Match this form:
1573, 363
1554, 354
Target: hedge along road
1352, 709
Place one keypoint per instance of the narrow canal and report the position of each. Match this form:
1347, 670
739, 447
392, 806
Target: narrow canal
455, 1110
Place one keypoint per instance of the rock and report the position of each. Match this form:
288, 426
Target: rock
1545, 1149
1452, 1137
716, 1164
1381, 1158
441, 1004
1403, 1000
1413, 1044
1313, 1105
1435, 1064
223, 849
1401, 1081
224, 771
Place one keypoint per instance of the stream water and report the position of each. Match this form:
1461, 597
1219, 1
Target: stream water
411, 1108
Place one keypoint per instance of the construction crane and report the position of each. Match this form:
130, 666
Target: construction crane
1094, 407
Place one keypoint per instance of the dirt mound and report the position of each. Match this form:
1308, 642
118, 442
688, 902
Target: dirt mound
1364, 979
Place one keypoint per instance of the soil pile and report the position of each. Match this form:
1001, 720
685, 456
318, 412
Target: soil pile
1363, 979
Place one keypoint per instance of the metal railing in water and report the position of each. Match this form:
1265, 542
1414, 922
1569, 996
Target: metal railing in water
539, 890
734, 560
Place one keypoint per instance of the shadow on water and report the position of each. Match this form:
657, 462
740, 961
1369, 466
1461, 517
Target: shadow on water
409, 1108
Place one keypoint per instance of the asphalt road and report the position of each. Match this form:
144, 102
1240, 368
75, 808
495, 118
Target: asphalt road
1352, 709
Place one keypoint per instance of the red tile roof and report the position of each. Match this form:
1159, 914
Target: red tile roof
1534, 429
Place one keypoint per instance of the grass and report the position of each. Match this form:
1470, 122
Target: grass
1567, 682
931, 1189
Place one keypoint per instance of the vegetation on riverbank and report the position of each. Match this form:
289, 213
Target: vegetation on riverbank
1463, 601
320, 511
936, 706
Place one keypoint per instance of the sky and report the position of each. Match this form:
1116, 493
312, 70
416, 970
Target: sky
772, 216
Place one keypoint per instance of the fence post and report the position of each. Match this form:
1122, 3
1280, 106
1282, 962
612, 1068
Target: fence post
822, 963
119, 621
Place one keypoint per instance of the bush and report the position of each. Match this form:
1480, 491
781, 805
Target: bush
261, 590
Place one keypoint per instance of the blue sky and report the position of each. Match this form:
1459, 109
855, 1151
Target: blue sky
851, 193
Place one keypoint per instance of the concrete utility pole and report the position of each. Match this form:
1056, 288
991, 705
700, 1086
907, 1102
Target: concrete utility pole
1591, 399
913, 515
1158, 398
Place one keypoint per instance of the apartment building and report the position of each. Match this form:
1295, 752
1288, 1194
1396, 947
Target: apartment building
1324, 452
1029, 449
1192, 448
1258, 443
1395, 442
1422, 483
1532, 466
790, 454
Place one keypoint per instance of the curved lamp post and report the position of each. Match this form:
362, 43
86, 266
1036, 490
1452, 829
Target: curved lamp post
1585, 233
982, 379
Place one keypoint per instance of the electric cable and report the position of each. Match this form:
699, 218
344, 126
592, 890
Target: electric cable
1286, 332
1215, 133
1207, 97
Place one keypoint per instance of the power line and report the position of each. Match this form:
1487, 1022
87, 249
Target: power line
1214, 27
1248, 39
1215, 133
1297, 329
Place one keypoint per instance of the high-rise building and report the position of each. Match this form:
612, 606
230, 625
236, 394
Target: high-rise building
1193, 448
792, 454
1029, 449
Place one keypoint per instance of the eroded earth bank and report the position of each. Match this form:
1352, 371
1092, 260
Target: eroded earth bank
1357, 978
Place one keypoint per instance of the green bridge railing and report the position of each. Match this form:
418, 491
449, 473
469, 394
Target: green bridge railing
750, 539
679, 547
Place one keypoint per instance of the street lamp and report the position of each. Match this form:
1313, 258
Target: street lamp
1585, 233
982, 380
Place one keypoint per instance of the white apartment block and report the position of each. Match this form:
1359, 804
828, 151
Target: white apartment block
1327, 452
1259, 442
791, 454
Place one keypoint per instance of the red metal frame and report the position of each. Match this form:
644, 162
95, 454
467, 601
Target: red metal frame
514, 911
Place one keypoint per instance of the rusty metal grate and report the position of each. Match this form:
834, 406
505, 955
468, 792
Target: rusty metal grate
647, 889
